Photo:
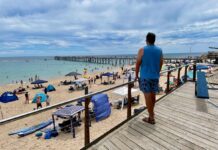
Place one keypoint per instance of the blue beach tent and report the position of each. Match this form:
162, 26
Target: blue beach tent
42, 95
50, 88
8, 97
101, 106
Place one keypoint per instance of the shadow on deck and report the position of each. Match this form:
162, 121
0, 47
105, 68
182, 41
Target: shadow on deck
182, 122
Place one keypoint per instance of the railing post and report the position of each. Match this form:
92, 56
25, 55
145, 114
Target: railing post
168, 81
87, 133
186, 67
194, 72
129, 107
178, 77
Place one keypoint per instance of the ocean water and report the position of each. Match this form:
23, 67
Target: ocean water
22, 68
182, 55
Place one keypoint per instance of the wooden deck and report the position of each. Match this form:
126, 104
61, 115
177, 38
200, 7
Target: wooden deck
182, 122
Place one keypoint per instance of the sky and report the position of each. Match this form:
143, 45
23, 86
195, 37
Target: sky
105, 27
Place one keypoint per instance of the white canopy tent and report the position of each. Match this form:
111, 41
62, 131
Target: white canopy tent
123, 91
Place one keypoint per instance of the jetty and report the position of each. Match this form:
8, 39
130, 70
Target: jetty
116, 60
182, 122
120, 60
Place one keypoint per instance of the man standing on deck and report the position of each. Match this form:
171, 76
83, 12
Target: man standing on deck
149, 61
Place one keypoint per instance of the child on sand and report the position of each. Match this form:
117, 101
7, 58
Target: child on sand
38, 102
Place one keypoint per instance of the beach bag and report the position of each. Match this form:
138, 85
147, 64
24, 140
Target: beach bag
54, 133
47, 135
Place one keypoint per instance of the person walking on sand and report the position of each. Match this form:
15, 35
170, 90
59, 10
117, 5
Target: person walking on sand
27, 98
45, 90
47, 100
149, 62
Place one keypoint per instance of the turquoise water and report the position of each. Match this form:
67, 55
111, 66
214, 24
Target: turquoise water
190, 74
16, 69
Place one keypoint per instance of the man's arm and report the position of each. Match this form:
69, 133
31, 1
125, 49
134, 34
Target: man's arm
161, 62
138, 62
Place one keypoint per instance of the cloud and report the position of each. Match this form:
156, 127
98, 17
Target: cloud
105, 27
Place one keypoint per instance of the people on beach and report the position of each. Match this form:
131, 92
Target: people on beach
26, 98
149, 61
21, 82
45, 90
38, 102
47, 100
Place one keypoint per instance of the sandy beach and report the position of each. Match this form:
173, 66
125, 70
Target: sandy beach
64, 140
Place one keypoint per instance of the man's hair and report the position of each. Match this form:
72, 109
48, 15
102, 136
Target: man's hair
150, 38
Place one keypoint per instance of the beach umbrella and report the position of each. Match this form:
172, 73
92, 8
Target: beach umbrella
73, 74
39, 82
42, 95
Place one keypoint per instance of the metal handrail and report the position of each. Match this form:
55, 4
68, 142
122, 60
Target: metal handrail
174, 69
24, 115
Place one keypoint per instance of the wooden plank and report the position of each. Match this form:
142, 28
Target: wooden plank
189, 109
190, 112
196, 104
109, 145
110, 135
130, 143
187, 122
173, 136
186, 135
154, 138
102, 147
141, 140
119, 143
212, 136
185, 130
173, 112
163, 137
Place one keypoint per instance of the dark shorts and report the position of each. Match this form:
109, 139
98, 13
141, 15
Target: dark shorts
39, 105
149, 85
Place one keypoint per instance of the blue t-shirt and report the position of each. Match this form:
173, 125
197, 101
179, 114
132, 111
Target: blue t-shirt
150, 66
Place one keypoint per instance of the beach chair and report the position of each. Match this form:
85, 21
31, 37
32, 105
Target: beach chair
201, 89
71, 89
65, 126
121, 103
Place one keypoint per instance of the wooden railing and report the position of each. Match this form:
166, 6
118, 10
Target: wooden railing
87, 98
